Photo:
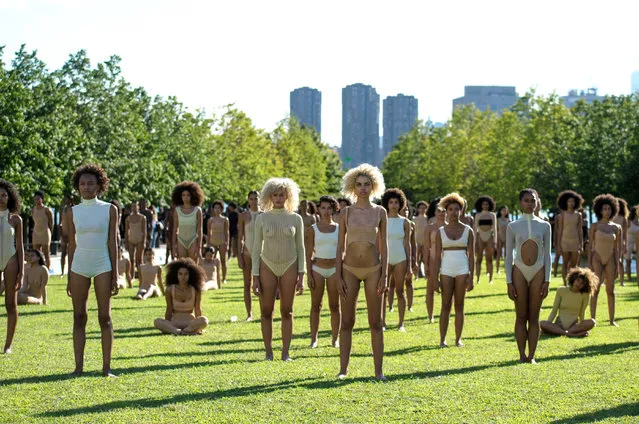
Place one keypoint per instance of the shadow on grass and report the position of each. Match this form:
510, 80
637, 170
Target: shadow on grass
621, 411
506, 335
188, 354
480, 296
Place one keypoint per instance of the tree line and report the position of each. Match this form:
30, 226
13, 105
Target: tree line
53, 121
539, 143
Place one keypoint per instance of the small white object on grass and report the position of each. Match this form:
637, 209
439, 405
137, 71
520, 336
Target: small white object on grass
234, 318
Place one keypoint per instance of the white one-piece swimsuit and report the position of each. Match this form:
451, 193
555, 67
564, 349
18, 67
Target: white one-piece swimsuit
395, 236
91, 220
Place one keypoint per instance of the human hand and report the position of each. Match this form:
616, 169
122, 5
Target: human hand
115, 289
341, 286
300, 284
257, 286
19, 278
240, 260
469, 283
544, 289
512, 291
382, 286
310, 281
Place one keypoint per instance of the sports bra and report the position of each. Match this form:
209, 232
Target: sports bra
361, 233
325, 243
186, 307
448, 243
485, 221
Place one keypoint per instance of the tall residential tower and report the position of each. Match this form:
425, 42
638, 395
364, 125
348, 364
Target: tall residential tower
400, 116
306, 107
360, 125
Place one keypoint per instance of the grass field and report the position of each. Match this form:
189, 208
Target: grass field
222, 377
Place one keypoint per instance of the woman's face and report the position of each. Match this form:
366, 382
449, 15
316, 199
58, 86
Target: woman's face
578, 285
303, 206
4, 198
606, 211
148, 257
504, 212
38, 200
279, 198
252, 201
217, 209
183, 276
485, 205
33, 257
88, 186
421, 210
440, 213
453, 211
325, 210
363, 187
393, 205
135, 207
208, 256
186, 197
528, 203
571, 203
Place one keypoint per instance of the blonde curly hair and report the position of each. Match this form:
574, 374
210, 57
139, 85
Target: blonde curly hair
273, 185
452, 198
372, 172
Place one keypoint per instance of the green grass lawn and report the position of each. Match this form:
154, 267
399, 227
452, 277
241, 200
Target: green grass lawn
222, 377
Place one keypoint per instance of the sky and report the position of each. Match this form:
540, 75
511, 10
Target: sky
253, 53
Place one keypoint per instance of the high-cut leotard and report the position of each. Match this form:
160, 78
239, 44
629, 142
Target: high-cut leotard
135, 230
395, 236
420, 225
249, 228
454, 257
361, 234
604, 245
502, 225
485, 235
279, 242
91, 220
7, 239
632, 237
528, 227
41, 231
325, 248
570, 305
216, 231
187, 226
570, 232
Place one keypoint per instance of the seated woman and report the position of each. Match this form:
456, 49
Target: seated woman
36, 277
149, 273
124, 272
571, 303
211, 267
184, 281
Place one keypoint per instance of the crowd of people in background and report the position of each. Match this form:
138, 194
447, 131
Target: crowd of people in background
372, 235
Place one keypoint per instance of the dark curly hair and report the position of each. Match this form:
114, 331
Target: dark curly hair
14, 202
589, 278
312, 207
197, 277
197, 195
345, 200
481, 199
218, 202
393, 193
432, 207
562, 199
40, 256
623, 207
526, 191
605, 199
451, 198
420, 203
39, 193
330, 200
500, 209
93, 169
633, 213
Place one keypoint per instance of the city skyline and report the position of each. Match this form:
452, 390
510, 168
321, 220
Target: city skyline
220, 53
360, 125
306, 107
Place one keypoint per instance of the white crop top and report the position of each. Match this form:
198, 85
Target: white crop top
460, 242
325, 243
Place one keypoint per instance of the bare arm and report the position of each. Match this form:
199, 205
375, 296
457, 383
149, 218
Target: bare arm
240, 233
471, 254
126, 232
174, 233
510, 245
299, 245
547, 258
49, 218
159, 279
143, 224
495, 233
438, 253
70, 228
560, 232
256, 251
226, 232
113, 248
584, 305
169, 305
198, 304
309, 242
199, 230
413, 244
580, 233
591, 245
407, 246
383, 244
426, 248
44, 280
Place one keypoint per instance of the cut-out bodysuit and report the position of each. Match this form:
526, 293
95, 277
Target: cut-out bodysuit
528, 229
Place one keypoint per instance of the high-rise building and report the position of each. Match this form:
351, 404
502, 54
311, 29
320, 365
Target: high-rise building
400, 116
306, 107
635, 82
360, 125
485, 97
589, 96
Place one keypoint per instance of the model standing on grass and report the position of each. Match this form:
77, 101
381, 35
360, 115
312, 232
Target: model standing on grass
42, 226
246, 235
621, 219
503, 219
569, 235
218, 235
93, 255
135, 236
187, 199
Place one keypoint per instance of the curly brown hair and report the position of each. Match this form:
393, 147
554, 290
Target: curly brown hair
394, 193
451, 198
590, 279
15, 202
93, 169
633, 213
605, 199
420, 203
480, 201
197, 276
197, 195
623, 207
562, 199
330, 200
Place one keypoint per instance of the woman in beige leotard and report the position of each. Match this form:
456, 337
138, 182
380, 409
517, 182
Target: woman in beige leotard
321, 251
124, 271
429, 255
67, 204
568, 227
621, 218
187, 198
308, 217
605, 250
278, 258
421, 221
631, 237
218, 235
135, 236
184, 280
11, 254
42, 226
245, 236
410, 289
36, 277
503, 219
486, 234
150, 277
362, 255
211, 267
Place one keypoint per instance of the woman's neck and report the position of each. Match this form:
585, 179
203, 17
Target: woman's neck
393, 214
326, 219
363, 202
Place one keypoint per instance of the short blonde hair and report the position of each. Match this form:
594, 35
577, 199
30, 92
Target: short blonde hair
273, 185
452, 198
372, 172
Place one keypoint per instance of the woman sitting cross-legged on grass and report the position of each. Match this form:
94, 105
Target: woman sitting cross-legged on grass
184, 281
571, 303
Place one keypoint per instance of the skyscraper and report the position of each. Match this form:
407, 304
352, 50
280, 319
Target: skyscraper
400, 116
486, 97
360, 125
635, 82
306, 107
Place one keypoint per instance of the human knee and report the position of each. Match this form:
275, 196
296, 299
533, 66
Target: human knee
158, 322
104, 320
80, 318
286, 312
11, 305
375, 324
267, 314
333, 308
204, 321
347, 324
459, 304
316, 307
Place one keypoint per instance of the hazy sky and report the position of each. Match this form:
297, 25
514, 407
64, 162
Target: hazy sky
253, 53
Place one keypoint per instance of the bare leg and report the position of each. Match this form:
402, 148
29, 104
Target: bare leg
46, 249
79, 296
521, 312
196, 326
410, 293
375, 306
534, 308
551, 328
448, 289
459, 297
63, 261
268, 282
490, 252
581, 329
348, 306
194, 252
399, 272
25, 299
317, 295
620, 267
246, 272
11, 300
166, 326
139, 250
499, 252
609, 277
223, 261
479, 253
629, 268
333, 305
555, 265
288, 282
102, 288
598, 269
430, 291
391, 290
